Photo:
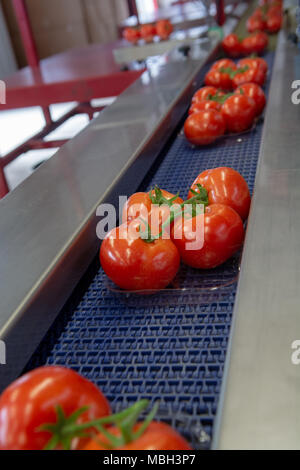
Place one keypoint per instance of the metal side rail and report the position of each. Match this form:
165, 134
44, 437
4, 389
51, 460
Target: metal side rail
259, 407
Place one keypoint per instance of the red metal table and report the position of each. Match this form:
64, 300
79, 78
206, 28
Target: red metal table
77, 75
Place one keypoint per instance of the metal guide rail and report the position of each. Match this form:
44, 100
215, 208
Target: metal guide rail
168, 347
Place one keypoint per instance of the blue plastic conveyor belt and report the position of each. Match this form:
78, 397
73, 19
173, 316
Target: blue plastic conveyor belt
169, 346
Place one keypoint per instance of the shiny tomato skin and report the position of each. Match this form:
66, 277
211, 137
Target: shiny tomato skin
131, 35
164, 28
232, 45
137, 205
133, 264
225, 186
223, 64
254, 91
140, 205
223, 236
158, 436
29, 402
254, 23
218, 79
255, 43
239, 112
204, 106
274, 23
254, 62
147, 32
252, 74
204, 93
204, 127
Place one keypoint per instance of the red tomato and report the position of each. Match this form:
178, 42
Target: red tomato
232, 45
254, 62
239, 113
255, 92
204, 93
225, 186
254, 23
135, 264
204, 106
164, 28
249, 74
157, 436
258, 13
148, 31
140, 205
223, 236
274, 23
255, 43
218, 79
137, 205
30, 402
131, 35
204, 127
223, 64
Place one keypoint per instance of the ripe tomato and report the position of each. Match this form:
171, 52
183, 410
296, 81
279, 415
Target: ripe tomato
140, 204
223, 236
204, 106
239, 113
157, 436
223, 64
250, 73
131, 35
204, 127
254, 62
225, 186
147, 31
255, 43
232, 46
218, 79
255, 23
30, 402
274, 23
136, 264
204, 93
164, 28
255, 92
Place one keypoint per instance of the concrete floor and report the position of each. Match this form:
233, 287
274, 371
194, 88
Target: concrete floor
16, 126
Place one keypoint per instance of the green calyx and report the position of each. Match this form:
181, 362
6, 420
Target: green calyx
220, 97
67, 428
232, 73
159, 199
199, 197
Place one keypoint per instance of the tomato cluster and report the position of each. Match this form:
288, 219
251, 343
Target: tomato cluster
159, 230
147, 32
255, 43
214, 110
227, 75
267, 17
55, 408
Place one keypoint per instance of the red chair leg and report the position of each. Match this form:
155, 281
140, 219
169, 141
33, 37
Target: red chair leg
4, 189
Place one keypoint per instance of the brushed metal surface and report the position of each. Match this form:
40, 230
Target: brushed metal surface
48, 223
259, 408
